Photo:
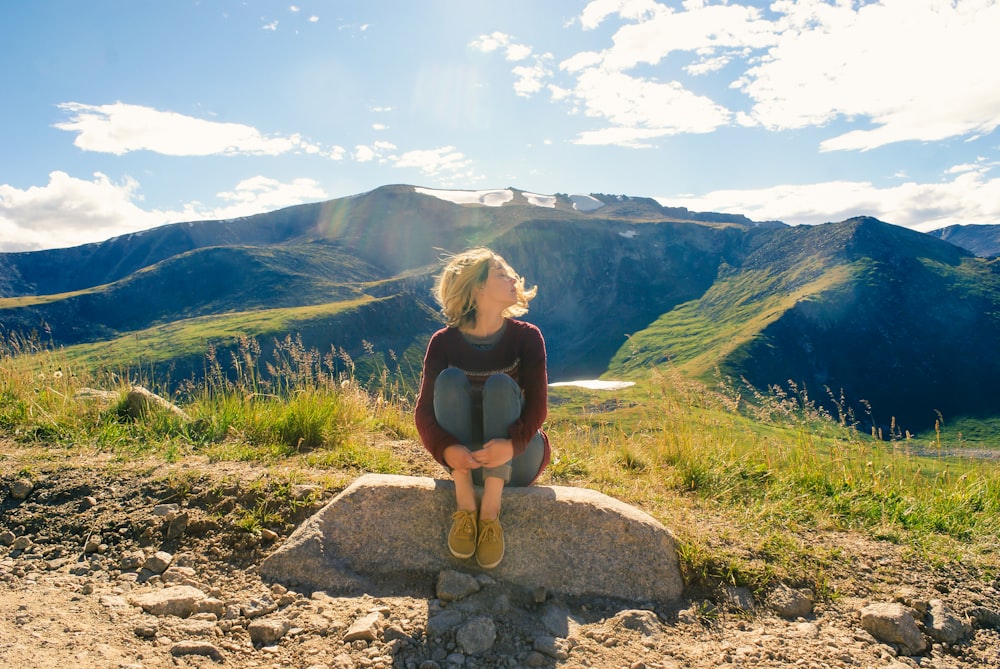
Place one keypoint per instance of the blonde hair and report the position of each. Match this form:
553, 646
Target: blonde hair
455, 288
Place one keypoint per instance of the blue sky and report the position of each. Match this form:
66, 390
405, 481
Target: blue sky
122, 115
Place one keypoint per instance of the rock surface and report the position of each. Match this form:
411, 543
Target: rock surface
393, 529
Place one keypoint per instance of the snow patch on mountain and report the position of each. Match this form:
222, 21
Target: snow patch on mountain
548, 201
499, 197
489, 198
585, 202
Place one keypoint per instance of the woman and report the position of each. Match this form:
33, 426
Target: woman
483, 396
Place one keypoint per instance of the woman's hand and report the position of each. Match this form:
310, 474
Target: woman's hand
494, 453
459, 458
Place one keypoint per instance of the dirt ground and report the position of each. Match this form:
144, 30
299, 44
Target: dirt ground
78, 553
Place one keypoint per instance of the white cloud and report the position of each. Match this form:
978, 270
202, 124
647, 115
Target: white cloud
517, 52
69, 211
698, 31
491, 42
513, 51
432, 162
259, 194
595, 12
917, 69
633, 138
900, 70
647, 107
376, 150
122, 128
970, 197
530, 78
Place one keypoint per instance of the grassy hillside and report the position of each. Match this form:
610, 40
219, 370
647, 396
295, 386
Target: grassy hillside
173, 354
214, 280
862, 316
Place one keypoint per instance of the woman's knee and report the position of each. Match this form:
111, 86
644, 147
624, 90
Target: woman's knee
450, 384
502, 392
501, 383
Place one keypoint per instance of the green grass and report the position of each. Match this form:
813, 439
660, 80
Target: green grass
192, 336
697, 335
769, 467
776, 468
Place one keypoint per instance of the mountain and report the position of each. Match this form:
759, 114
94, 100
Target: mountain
900, 321
982, 240
905, 322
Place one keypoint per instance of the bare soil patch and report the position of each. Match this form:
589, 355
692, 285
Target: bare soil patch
73, 550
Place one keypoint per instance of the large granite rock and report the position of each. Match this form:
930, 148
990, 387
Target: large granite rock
384, 533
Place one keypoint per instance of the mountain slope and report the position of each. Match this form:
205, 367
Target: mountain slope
896, 320
899, 321
603, 274
205, 281
982, 240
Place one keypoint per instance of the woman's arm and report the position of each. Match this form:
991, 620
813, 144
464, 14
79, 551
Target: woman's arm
535, 382
434, 437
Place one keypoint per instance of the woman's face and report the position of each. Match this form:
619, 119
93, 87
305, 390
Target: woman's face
499, 289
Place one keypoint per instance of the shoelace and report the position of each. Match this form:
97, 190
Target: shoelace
467, 524
490, 532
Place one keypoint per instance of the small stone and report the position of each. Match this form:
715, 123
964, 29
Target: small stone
21, 488
645, 622
158, 562
268, 631
944, 626
536, 659
179, 600
196, 648
551, 646
259, 606
454, 585
789, 603
364, 629
477, 636
893, 623
162, 510
7, 538
441, 623
175, 526
132, 560
145, 630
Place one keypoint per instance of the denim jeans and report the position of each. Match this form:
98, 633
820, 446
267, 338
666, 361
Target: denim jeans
502, 403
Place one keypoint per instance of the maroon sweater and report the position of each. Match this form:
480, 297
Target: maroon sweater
520, 354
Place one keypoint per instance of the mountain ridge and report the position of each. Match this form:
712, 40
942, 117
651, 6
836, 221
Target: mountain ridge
625, 285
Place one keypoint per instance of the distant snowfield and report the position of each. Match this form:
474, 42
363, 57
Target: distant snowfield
594, 384
496, 198
585, 202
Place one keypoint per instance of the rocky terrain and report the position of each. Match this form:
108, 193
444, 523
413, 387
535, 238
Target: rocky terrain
128, 566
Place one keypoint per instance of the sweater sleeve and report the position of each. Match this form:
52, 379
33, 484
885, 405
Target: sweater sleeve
434, 437
534, 382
